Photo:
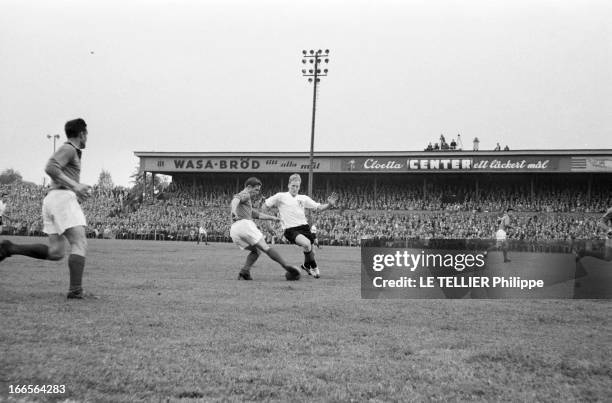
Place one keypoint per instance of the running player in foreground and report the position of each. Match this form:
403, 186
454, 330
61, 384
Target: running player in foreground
501, 237
291, 207
604, 222
62, 216
247, 236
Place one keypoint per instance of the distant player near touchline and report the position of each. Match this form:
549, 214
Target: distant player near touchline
247, 236
2, 210
291, 207
604, 222
62, 215
202, 234
501, 237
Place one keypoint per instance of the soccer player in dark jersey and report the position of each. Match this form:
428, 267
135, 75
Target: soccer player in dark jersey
63, 218
604, 222
247, 236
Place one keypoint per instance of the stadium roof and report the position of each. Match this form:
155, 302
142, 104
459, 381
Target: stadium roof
446, 153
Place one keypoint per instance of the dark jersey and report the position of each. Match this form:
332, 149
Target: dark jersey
244, 209
67, 159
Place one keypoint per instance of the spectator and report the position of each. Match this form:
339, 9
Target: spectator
476, 143
497, 147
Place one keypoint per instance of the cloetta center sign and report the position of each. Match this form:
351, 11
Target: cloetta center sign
449, 164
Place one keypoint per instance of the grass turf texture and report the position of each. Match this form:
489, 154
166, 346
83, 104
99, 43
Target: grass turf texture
173, 323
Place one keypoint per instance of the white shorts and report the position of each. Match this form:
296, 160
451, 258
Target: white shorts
245, 233
60, 211
500, 235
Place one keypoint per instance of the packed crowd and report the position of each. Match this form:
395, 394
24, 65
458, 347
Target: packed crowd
390, 211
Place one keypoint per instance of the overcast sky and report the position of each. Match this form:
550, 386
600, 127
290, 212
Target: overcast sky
226, 76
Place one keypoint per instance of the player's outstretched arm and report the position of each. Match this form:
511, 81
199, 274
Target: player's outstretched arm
263, 216
233, 206
603, 223
332, 200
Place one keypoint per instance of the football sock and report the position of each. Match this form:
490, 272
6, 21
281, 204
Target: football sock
309, 260
76, 264
250, 261
37, 251
274, 255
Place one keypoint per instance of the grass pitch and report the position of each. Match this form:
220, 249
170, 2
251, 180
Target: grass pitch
174, 324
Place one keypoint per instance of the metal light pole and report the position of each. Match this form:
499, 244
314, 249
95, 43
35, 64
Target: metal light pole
315, 58
55, 137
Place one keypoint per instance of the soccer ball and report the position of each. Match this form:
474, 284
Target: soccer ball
292, 276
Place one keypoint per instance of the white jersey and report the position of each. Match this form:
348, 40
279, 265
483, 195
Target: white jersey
313, 229
291, 209
202, 231
2, 208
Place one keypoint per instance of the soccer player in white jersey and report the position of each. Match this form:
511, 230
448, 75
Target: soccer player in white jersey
202, 234
63, 218
605, 222
291, 207
501, 236
247, 236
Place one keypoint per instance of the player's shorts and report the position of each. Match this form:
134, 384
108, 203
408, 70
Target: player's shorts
60, 211
245, 233
500, 236
292, 233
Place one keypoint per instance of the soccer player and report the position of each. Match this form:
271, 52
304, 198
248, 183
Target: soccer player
291, 207
63, 218
247, 236
503, 224
202, 234
2, 210
604, 222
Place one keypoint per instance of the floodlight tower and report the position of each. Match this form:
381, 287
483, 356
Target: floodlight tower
55, 137
314, 72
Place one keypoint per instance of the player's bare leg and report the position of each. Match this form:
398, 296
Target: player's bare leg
504, 249
55, 250
293, 273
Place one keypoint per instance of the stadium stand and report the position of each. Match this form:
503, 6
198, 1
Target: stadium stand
556, 210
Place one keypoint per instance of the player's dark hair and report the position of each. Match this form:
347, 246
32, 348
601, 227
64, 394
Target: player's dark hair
509, 209
74, 127
252, 181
